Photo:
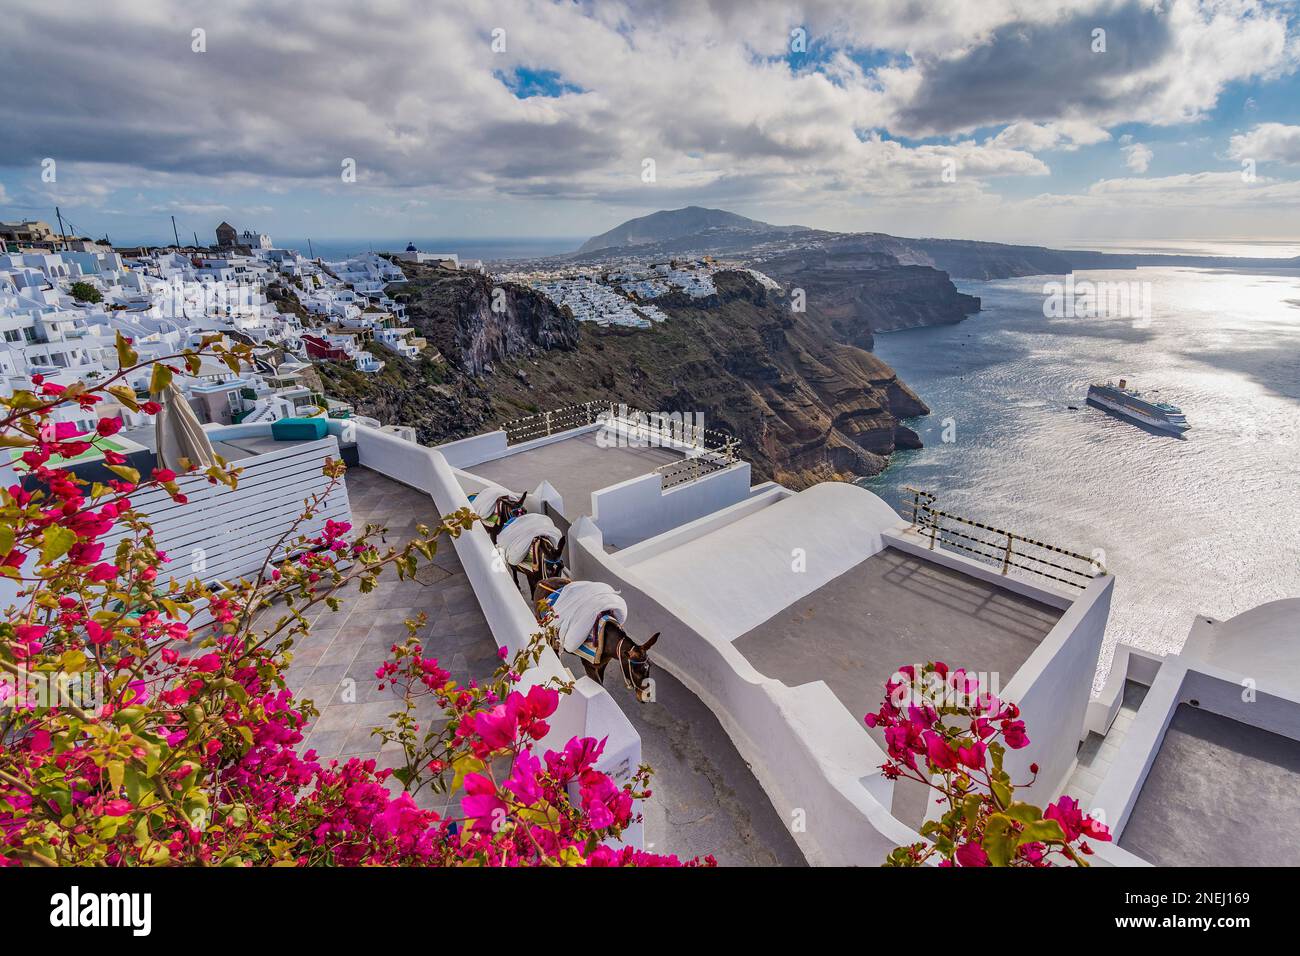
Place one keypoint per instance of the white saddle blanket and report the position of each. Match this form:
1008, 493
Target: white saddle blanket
485, 502
517, 537
579, 605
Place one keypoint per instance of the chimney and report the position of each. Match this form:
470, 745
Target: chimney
1123, 383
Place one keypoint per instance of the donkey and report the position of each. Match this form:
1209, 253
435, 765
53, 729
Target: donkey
506, 508
544, 560
612, 643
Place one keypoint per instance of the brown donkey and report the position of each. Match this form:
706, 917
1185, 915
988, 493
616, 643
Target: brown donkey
612, 643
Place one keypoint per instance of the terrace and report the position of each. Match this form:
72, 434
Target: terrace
893, 608
787, 612
574, 467
1220, 793
1206, 771
706, 800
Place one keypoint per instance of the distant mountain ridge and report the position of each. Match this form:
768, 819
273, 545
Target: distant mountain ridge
670, 224
696, 231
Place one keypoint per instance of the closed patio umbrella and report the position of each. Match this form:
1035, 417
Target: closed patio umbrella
178, 433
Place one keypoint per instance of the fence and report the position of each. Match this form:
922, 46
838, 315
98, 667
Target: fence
707, 450
995, 545
547, 423
225, 534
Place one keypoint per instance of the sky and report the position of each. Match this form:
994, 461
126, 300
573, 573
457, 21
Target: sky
1012, 120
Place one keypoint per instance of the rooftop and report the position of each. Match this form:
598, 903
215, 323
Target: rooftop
1220, 793
855, 631
575, 467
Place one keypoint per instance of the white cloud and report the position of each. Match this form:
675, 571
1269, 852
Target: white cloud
1137, 157
1267, 143
414, 93
1190, 190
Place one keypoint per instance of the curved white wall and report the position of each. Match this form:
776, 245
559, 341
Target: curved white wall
819, 768
589, 711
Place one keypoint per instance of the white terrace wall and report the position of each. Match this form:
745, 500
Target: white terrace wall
1054, 686
639, 508
819, 768
589, 711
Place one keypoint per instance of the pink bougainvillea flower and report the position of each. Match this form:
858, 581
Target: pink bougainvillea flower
481, 804
972, 854
938, 752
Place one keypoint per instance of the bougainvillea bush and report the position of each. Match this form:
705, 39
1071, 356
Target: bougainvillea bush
145, 718
943, 731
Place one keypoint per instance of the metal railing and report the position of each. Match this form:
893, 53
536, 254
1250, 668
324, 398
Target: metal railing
705, 450
549, 422
996, 545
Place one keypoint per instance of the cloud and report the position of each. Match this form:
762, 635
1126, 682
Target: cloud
1267, 143
584, 93
1160, 64
1189, 190
1066, 135
1137, 157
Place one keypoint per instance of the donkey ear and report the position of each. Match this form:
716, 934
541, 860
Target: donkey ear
650, 643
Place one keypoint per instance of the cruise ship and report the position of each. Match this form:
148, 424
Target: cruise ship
1125, 401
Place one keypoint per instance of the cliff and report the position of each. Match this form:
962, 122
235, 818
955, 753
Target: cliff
861, 289
806, 405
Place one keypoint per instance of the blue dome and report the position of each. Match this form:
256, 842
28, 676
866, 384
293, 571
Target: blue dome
410, 247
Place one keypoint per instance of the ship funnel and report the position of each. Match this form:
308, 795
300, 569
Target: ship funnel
1123, 383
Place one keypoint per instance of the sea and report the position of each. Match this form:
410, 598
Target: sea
1204, 524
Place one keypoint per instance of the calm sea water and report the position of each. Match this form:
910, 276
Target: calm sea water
1205, 524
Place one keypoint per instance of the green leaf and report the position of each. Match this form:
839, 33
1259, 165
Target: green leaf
1002, 792
126, 356
125, 472
1023, 812
55, 542
1042, 831
999, 839
160, 378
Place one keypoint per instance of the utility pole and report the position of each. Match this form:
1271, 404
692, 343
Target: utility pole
59, 216
310, 253
176, 234
196, 240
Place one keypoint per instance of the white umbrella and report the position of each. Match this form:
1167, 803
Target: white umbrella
178, 433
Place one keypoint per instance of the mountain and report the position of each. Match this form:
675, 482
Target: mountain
754, 242
671, 224
806, 405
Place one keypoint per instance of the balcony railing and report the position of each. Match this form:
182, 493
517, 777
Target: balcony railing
550, 422
996, 546
705, 450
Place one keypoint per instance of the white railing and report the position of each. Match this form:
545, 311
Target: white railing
225, 534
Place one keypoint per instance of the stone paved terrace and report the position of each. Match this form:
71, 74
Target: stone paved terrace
351, 643
706, 799
1220, 793
575, 467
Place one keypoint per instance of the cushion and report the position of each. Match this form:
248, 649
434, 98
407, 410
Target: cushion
299, 429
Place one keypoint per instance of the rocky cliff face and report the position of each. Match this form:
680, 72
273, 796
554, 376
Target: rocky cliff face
475, 323
861, 289
806, 406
